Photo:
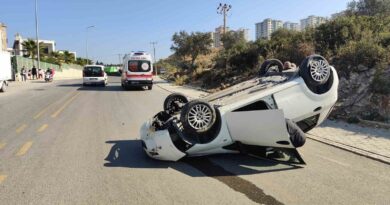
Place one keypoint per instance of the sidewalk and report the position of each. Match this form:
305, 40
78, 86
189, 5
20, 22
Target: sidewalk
370, 142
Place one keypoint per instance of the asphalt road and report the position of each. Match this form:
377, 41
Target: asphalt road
61, 143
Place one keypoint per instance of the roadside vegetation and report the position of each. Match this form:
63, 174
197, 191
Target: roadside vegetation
55, 57
356, 43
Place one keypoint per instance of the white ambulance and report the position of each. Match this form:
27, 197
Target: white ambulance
137, 70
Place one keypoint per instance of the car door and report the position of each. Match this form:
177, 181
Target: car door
260, 127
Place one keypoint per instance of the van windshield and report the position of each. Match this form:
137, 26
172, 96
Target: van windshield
139, 66
92, 71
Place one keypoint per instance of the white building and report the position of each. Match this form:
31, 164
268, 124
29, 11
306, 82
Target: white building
218, 36
267, 27
49, 46
312, 22
291, 26
71, 52
245, 32
3, 37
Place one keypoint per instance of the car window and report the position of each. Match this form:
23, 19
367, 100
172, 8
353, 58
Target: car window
92, 71
139, 66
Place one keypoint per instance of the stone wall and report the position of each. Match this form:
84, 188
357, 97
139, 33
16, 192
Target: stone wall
358, 100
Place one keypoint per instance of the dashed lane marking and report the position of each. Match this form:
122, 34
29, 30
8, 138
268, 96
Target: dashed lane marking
2, 145
40, 113
23, 150
2, 178
21, 128
62, 108
44, 110
42, 128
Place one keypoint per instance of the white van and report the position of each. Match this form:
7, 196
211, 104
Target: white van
5, 70
137, 70
94, 75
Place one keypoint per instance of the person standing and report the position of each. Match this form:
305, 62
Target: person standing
23, 74
40, 76
34, 73
29, 74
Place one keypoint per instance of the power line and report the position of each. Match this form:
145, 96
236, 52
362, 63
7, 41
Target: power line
224, 9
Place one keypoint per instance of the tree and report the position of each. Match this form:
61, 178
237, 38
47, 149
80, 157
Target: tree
68, 57
30, 47
233, 39
370, 7
191, 45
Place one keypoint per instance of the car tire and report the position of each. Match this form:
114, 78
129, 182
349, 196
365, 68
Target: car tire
170, 102
197, 118
297, 136
150, 87
3, 87
315, 70
265, 67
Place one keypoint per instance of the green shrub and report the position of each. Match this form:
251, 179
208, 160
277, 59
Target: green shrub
381, 83
181, 80
364, 53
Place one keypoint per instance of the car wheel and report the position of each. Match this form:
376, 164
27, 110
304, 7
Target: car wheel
271, 65
197, 117
174, 102
150, 87
3, 87
315, 70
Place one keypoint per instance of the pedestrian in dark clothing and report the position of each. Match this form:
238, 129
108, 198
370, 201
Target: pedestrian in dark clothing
34, 72
29, 74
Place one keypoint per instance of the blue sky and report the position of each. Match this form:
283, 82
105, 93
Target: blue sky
125, 25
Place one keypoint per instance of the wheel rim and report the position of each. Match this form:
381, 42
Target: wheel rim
273, 68
199, 116
171, 105
319, 70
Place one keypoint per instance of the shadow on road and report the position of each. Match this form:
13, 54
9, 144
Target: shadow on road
129, 153
111, 87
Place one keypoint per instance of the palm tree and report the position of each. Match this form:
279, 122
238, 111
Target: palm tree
30, 47
68, 57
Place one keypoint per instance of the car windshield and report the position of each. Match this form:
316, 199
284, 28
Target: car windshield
139, 66
92, 71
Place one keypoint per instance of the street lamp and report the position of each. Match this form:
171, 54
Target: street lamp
86, 42
36, 32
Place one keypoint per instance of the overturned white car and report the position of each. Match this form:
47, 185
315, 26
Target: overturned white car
264, 116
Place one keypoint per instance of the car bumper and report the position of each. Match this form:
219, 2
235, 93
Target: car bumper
138, 83
158, 144
93, 81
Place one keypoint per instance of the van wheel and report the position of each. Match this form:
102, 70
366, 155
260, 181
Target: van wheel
197, 117
271, 65
174, 102
315, 70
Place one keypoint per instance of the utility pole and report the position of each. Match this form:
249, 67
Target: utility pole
36, 33
120, 58
154, 54
224, 9
86, 43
